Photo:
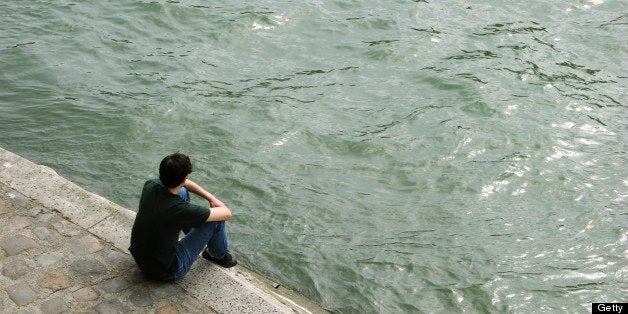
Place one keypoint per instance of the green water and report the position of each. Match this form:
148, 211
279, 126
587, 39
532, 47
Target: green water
379, 156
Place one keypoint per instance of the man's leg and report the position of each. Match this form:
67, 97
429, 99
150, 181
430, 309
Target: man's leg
210, 234
216, 246
190, 247
185, 195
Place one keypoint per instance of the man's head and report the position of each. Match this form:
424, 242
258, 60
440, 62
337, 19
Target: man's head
173, 169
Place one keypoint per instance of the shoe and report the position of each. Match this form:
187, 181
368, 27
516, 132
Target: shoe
226, 261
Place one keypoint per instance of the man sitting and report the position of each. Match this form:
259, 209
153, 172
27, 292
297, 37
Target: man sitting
164, 211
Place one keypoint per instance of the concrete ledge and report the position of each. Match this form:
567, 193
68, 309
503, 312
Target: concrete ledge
235, 290
43, 184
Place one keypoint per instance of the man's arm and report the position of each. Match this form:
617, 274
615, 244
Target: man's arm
219, 211
198, 190
222, 213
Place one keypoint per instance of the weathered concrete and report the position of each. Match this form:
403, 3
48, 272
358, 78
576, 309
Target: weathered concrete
64, 249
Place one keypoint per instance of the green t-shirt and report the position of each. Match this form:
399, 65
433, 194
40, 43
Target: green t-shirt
156, 229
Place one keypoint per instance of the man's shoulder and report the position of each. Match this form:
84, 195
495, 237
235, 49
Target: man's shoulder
152, 185
152, 182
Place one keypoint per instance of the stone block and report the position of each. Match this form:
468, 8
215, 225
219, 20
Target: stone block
226, 292
7, 159
114, 285
53, 191
42, 233
140, 297
5, 206
164, 290
48, 259
55, 280
111, 306
135, 276
85, 245
66, 228
120, 261
116, 228
36, 211
90, 268
16, 244
15, 269
168, 309
85, 294
21, 294
17, 223
17, 200
44, 217
54, 306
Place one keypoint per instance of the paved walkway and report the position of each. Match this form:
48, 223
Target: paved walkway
63, 249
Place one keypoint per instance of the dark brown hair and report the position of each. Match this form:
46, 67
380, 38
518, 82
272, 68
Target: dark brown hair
173, 169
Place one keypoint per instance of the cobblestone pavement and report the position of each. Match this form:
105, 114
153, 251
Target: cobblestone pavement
50, 265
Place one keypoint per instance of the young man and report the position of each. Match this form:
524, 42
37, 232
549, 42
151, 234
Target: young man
164, 211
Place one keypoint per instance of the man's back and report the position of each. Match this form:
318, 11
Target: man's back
155, 233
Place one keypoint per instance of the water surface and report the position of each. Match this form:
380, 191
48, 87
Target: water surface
396, 156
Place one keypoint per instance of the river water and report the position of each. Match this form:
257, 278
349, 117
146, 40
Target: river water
379, 156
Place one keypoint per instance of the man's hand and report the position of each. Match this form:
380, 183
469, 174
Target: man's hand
216, 203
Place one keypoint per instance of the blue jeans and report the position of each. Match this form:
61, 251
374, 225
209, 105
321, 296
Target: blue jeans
210, 234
